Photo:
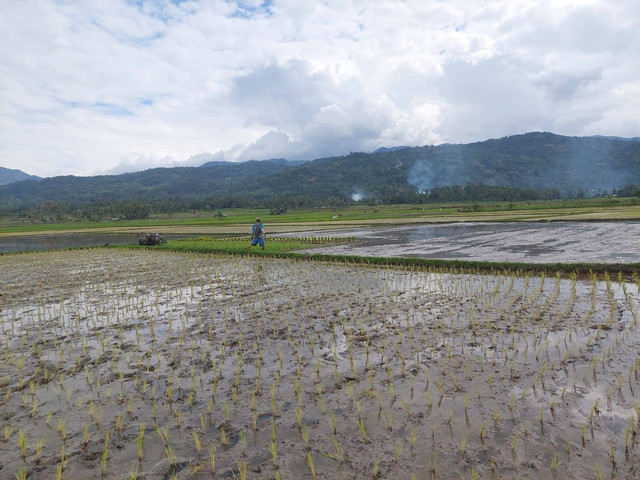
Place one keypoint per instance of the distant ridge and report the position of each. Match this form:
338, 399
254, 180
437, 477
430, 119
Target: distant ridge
537, 161
389, 149
8, 175
279, 161
622, 139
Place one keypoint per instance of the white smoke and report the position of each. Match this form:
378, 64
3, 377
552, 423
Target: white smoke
421, 177
358, 195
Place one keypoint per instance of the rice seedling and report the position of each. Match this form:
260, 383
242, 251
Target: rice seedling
475, 336
212, 460
596, 468
196, 442
412, 439
63, 458
274, 405
612, 457
311, 466
405, 407
22, 444
376, 469
555, 463
273, 448
432, 465
398, 452
97, 416
363, 432
38, 450
133, 472
170, 454
8, 431
627, 440
163, 434
305, 436
463, 446
333, 422
103, 461
223, 436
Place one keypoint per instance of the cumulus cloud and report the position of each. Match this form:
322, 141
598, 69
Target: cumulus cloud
94, 87
492, 95
564, 85
271, 145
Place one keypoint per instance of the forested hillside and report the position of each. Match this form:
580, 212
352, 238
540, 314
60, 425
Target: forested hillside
516, 167
9, 175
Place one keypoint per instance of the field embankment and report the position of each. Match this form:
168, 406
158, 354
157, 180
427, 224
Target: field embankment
238, 221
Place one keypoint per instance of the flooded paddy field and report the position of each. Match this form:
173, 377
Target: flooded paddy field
59, 241
534, 242
158, 365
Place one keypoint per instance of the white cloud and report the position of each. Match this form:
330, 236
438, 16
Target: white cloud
270, 145
113, 85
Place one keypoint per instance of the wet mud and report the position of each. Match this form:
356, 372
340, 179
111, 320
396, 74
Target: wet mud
160, 365
59, 241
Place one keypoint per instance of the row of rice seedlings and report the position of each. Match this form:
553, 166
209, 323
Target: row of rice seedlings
374, 345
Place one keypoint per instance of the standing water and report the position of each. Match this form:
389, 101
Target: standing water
548, 242
59, 241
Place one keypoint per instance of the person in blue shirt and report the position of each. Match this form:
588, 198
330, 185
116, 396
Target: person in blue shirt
257, 234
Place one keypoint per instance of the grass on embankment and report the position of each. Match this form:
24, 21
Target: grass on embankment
238, 220
239, 245
280, 247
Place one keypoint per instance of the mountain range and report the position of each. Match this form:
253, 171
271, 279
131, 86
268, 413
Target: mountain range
536, 161
8, 175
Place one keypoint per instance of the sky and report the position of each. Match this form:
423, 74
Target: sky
102, 87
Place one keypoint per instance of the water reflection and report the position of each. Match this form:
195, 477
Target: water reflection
548, 242
28, 243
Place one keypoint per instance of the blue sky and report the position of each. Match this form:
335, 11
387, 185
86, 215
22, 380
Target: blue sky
114, 85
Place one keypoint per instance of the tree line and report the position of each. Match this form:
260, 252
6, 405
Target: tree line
279, 204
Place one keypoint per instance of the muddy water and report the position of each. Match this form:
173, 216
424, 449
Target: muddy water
548, 242
295, 368
31, 243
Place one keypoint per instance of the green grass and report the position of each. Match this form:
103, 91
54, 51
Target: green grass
238, 245
289, 248
603, 208
235, 216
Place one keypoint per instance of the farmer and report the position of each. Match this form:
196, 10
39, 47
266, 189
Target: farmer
257, 234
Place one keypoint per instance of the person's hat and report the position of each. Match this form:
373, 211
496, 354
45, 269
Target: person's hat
258, 219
